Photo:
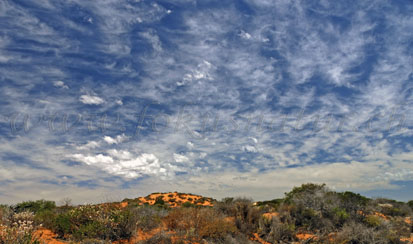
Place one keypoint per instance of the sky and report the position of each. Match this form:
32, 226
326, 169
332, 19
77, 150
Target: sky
103, 100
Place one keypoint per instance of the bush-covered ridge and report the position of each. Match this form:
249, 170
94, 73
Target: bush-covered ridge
171, 199
310, 213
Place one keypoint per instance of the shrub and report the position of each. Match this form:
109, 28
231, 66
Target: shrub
96, 222
62, 225
399, 227
353, 199
275, 203
274, 230
5, 214
188, 205
20, 230
410, 204
353, 232
199, 223
159, 201
35, 206
246, 215
149, 217
47, 218
235, 239
160, 238
340, 216
304, 189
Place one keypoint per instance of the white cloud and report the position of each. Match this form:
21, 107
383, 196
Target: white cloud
181, 158
89, 145
118, 139
249, 148
255, 140
245, 35
122, 163
190, 145
92, 160
203, 71
89, 99
60, 84
122, 154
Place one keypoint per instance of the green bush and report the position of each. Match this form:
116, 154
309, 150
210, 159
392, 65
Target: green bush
159, 201
275, 203
410, 204
188, 205
340, 216
62, 225
99, 222
308, 188
34, 206
47, 218
91, 229
373, 221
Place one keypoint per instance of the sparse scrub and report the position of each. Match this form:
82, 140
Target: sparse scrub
160, 238
353, 232
274, 230
100, 222
196, 224
325, 216
245, 214
149, 217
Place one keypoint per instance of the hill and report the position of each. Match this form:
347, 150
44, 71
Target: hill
172, 199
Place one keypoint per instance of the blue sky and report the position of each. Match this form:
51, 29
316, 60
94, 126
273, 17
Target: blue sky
108, 99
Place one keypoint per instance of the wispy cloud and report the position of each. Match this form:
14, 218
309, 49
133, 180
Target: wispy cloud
219, 96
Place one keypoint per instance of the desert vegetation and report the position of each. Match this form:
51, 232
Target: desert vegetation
310, 213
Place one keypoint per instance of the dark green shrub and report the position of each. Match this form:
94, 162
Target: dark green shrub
275, 203
410, 204
91, 229
47, 218
159, 201
304, 189
34, 206
188, 205
340, 216
62, 225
